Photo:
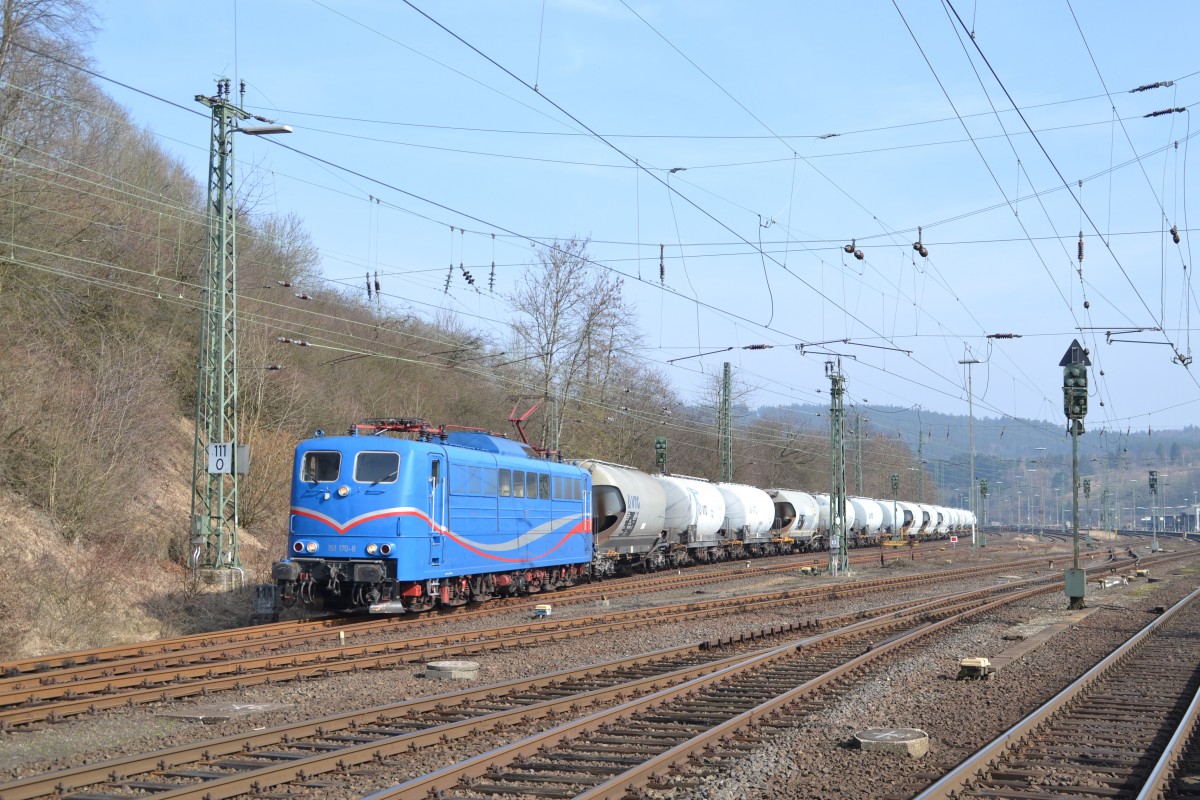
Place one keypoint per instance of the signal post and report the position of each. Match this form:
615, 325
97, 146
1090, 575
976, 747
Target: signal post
1075, 389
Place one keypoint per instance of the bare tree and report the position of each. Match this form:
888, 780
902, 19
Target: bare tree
572, 325
39, 39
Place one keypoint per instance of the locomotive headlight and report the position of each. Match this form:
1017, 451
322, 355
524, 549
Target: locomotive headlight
298, 547
385, 549
343, 491
372, 549
312, 547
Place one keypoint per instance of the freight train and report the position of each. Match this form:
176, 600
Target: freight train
390, 524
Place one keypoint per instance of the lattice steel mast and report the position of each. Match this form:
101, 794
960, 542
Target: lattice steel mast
839, 558
725, 424
214, 520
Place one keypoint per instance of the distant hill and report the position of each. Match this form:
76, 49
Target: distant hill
1008, 451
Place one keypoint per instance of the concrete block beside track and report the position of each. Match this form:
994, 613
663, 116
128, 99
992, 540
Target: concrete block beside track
452, 670
901, 741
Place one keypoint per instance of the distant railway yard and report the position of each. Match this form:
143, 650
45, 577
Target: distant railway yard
935, 670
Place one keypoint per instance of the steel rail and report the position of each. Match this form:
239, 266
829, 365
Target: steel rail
268, 634
281, 634
1157, 786
53, 701
887, 617
955, 782
265, 632
473, 770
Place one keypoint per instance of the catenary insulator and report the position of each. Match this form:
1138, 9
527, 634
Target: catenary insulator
850, 247
1081, 247
859, 255
1175, 233
1086, 305
924, 252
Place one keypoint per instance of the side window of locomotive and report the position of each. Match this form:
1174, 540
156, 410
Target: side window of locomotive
531, 484
374, 468
558, 487
505, 483
321, 466
544, 483
518, 483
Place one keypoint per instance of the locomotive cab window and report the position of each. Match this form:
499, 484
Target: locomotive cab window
321, 466
376, 468
505, 483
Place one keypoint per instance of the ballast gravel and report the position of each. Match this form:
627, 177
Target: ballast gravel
806, 757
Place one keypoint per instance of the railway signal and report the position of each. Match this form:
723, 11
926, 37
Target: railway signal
1075, 363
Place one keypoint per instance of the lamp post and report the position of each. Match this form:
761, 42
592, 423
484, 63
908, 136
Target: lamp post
1041, 492
971, 434
1154, 511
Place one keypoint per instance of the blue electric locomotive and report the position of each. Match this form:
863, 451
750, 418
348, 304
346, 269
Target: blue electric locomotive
395, 524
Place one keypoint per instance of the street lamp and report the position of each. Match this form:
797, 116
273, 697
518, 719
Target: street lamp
971, 433
1154, 510
1029, 473
1041, 493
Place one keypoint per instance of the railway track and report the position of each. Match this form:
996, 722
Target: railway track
317, 630
324, 752
616, 752
280, 635
54, 694
1110, 734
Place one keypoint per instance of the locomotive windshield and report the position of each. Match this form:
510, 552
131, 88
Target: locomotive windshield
376, 468
321, 466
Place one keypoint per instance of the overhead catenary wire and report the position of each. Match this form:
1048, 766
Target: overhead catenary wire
751, 251
1063, 180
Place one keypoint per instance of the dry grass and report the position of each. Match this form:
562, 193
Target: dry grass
56, 596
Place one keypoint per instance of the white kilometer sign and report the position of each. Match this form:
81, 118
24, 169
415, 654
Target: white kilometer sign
953, 539
220, 458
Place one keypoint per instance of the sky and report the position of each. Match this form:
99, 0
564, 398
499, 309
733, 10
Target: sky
720, 157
